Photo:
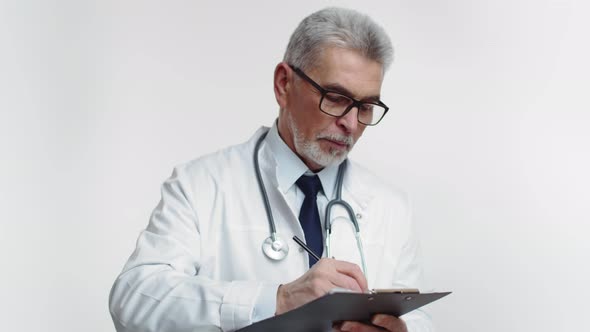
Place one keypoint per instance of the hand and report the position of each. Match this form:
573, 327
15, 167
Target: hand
382, 322
325, 275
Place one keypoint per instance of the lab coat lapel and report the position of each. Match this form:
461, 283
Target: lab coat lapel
285, 220
356, 193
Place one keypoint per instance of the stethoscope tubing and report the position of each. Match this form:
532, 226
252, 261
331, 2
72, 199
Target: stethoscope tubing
272, 251
271, 221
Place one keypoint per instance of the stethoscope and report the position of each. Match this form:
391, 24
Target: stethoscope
274, 247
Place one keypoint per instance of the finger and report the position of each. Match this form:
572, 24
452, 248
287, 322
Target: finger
390, 323
353, 271
344, 281
336, 326
358, 327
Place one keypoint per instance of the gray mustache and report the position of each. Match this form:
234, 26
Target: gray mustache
348, 140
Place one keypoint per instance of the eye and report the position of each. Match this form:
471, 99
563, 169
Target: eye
337, 99
366, 107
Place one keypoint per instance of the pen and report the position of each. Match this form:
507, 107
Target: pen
308, 249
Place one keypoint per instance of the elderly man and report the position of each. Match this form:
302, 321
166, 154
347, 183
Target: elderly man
199, 263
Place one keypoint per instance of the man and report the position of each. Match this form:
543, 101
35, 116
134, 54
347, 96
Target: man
199, 264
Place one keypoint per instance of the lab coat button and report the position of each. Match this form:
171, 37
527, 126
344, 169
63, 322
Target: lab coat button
359, 216
300, 249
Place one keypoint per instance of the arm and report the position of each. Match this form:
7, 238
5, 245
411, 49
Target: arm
415, 321
160, 288
407, 273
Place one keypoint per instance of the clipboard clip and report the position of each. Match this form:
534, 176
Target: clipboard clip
394, 290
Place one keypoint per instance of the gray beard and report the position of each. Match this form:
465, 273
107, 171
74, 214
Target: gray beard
312, 149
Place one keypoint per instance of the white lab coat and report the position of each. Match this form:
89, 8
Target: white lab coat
199, 265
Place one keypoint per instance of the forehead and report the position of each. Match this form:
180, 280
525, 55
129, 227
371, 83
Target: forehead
349, 69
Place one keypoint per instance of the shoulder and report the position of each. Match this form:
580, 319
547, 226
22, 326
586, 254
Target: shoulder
206, 177
221, 162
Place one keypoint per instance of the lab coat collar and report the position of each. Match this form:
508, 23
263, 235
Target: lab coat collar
289, 167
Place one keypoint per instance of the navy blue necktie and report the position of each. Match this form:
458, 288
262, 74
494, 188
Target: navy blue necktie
309, 217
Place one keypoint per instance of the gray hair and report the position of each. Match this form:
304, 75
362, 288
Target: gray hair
339, 27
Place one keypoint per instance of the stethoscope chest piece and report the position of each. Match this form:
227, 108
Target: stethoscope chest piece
276, 249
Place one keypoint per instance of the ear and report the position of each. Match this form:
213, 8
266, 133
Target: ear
282, 83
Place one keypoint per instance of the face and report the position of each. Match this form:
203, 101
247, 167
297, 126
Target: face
318, 138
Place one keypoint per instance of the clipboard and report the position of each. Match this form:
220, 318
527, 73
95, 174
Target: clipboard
318, 315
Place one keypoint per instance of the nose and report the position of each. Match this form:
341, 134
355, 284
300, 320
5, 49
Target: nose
349, 121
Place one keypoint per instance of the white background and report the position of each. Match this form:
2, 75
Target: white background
488, 131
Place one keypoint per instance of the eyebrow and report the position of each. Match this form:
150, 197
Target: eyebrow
335, 87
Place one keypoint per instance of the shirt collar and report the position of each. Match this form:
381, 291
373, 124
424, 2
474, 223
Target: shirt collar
290, 167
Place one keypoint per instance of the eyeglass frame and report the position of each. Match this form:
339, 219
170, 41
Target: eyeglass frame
355, 103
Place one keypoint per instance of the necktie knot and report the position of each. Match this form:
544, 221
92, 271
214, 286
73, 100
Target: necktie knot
310, 185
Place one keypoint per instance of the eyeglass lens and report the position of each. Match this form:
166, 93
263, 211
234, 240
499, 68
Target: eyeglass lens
337, 104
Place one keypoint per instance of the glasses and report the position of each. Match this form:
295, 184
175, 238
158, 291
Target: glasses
336, 104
